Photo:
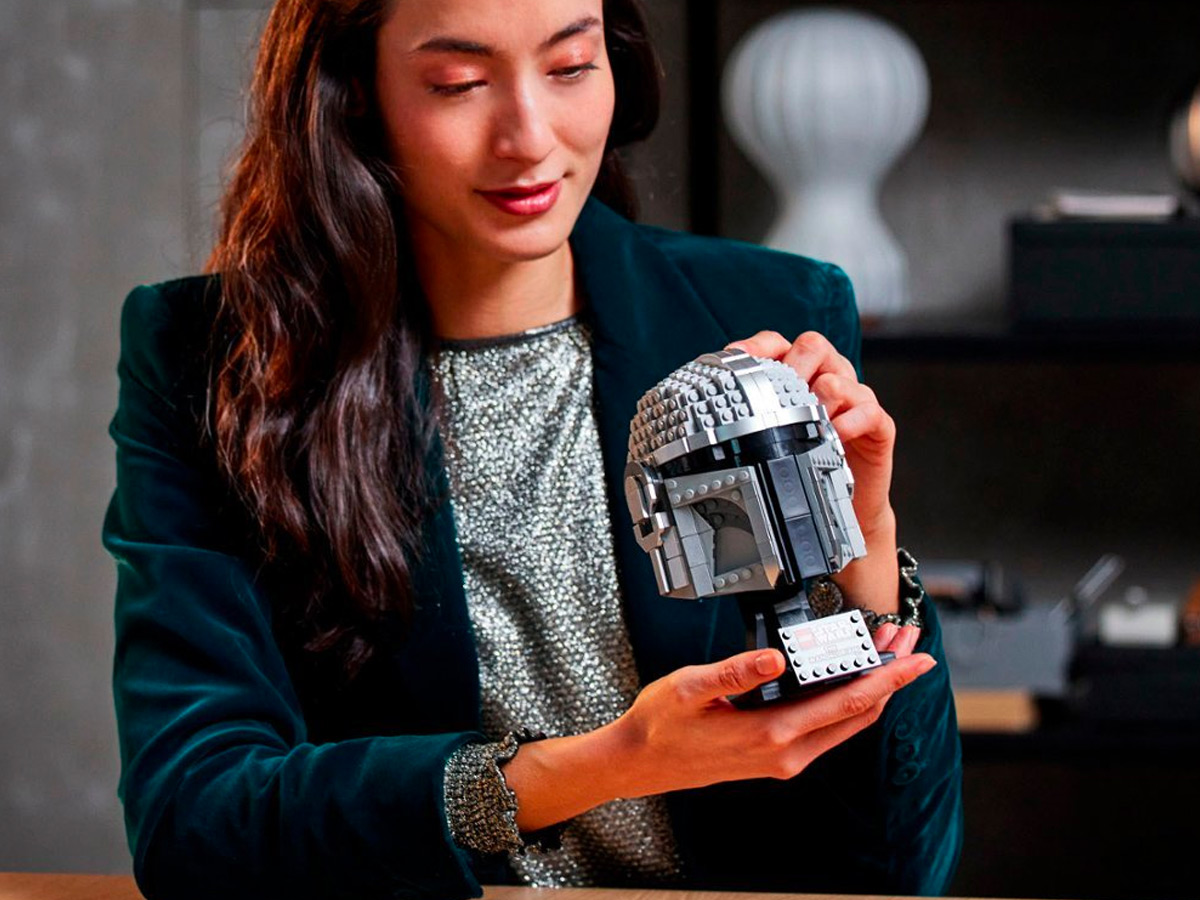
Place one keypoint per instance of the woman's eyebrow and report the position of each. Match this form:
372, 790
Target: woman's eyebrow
587, 23
447, 44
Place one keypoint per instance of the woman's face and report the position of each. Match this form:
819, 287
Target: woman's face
497, 113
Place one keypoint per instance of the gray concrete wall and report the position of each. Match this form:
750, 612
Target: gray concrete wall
91, 199
102, 184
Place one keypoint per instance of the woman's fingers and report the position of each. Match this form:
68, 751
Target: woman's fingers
821, 740
885, 635
858, 696
746, 671
826, 737
853, 408
810, 354
765, 345
682, 732
893, 638
838, 393
736, 675
906, 641
868, 421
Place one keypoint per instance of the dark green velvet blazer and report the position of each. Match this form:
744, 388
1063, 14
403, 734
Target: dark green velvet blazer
240, 779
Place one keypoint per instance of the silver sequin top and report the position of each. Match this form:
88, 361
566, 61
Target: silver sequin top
527, 489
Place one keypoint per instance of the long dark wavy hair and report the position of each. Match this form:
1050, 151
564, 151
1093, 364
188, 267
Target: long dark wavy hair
314, 404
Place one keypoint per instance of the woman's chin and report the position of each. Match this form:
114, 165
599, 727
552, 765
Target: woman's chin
530, 242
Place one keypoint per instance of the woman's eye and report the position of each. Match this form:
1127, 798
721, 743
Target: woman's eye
453, 90
458, 89
574, 73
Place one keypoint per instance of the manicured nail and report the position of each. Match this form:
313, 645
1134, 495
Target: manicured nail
764, 663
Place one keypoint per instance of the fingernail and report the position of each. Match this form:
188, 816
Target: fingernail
764, 663
926, 664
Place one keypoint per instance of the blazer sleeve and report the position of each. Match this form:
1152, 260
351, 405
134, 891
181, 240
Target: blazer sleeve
224, 794
911, 772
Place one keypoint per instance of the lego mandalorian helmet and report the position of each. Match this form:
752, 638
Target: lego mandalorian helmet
737, 481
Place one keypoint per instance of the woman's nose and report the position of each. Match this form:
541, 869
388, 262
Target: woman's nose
523, 130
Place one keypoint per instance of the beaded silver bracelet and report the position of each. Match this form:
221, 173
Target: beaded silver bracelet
912, 597
826, 598
481, 809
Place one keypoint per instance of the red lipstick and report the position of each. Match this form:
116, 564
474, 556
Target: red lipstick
525, 201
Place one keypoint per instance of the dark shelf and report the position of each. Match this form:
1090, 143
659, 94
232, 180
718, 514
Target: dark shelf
1063, 736
957, 340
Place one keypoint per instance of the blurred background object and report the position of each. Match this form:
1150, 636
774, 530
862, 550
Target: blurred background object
824, 101
1184, 140
1189, 618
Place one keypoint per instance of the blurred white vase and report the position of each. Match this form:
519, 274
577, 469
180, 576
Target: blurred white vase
824, 101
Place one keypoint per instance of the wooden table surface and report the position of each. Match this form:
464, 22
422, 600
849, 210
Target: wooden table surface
26, 886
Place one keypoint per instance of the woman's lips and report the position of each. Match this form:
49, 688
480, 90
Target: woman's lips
529, 201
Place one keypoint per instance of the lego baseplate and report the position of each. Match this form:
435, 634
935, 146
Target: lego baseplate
830, 648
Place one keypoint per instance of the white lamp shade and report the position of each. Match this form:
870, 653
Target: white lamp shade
824, 101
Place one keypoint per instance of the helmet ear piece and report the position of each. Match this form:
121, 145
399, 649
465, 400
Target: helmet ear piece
643, 491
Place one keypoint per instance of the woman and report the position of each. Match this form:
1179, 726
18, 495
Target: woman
334, 596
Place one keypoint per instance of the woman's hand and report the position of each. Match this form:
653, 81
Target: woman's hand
868, 434
683, 732
867, 431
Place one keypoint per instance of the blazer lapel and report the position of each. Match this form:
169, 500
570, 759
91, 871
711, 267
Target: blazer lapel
435, 658
647, 321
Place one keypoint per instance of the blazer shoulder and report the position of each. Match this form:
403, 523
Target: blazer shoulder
177, 304
749, 288
165, 332
758, 271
